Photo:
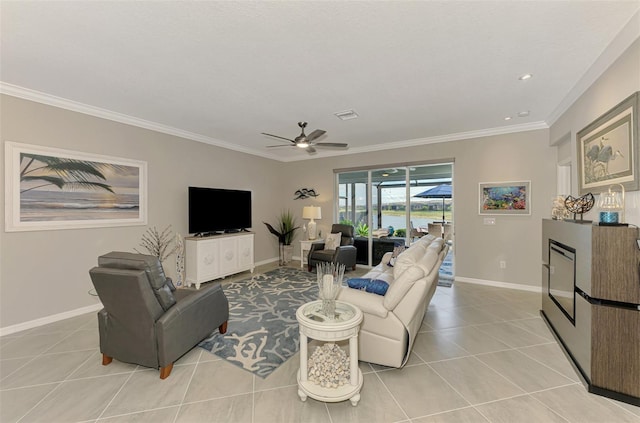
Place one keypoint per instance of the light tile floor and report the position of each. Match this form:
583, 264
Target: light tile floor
483, 355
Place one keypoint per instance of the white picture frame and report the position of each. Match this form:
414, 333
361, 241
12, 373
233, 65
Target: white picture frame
48, 188
505, 198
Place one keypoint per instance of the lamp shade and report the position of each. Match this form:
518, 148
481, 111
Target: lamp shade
311, 212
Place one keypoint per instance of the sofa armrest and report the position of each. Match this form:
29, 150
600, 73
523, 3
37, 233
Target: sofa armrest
316, 246
346, 254
386, 258
193, 318
367, 302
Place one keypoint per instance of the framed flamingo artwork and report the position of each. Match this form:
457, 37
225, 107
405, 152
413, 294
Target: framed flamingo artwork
608, 151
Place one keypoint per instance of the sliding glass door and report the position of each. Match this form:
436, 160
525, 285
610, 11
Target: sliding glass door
387, 206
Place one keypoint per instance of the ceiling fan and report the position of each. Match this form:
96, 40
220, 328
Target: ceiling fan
306, 141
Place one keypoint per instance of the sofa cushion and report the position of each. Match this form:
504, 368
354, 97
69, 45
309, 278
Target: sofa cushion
401, 285
375, 286
365, 301
408, 258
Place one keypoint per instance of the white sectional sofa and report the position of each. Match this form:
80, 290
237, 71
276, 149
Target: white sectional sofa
391, 322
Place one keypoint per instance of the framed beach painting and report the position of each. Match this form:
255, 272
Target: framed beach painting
48, 188
609, 150
505, 197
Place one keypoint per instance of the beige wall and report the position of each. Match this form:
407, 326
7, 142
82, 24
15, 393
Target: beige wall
478, 247
44, 273
618, 82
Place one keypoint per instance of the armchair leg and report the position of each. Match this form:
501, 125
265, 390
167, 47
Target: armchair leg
223, 327
166, 371
106, 359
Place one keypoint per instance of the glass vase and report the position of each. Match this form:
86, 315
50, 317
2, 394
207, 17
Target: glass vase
329, 278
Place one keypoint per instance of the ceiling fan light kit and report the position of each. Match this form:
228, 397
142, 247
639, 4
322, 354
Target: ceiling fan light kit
305, 141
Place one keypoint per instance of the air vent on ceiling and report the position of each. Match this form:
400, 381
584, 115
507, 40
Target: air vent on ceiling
346, 115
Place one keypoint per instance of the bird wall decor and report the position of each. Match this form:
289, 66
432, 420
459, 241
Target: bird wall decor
303, 193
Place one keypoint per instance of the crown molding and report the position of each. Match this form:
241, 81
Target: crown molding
63, 103
459, 136
627, 35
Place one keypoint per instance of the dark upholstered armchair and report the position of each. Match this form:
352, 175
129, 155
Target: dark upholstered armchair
345, 253
145, 320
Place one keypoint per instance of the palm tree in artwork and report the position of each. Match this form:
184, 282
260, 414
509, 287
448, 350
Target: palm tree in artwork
63, 173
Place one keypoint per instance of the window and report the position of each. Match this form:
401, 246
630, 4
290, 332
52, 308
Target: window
379, 199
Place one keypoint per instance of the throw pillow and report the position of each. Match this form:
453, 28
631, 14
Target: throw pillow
332, 241
396, 252
374, 286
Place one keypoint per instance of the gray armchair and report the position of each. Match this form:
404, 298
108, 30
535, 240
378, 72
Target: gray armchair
145, 320
344, 254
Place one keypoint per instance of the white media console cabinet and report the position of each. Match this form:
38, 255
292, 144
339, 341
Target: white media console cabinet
217, 256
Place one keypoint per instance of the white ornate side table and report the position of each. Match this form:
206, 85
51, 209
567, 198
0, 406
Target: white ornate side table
346, 325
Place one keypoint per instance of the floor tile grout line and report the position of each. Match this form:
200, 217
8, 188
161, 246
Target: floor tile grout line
544, 364
549, 408
115, 395
40, 402
131, 413
19, 368
619, 405
450, 385
391, 395
468, 407
186, 389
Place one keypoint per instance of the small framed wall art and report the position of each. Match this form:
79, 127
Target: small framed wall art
505, 197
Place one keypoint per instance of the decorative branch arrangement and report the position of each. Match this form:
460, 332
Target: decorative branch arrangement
158, 243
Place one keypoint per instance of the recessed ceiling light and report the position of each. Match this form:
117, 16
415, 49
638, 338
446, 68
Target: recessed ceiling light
525, 77
385, 174
524, 113
507, 118
346, 115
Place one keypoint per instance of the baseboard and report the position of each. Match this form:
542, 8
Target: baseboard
48, 319
497, 284
267, 261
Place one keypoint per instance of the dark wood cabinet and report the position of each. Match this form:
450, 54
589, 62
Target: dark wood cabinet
603, 339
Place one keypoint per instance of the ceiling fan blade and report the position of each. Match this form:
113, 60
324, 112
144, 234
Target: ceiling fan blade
310, 150
331, 145
278, 136
279, 145
315, 134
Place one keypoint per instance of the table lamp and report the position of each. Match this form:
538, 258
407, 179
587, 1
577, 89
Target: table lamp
311, 212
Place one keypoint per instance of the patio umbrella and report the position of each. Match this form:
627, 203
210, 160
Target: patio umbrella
440, 191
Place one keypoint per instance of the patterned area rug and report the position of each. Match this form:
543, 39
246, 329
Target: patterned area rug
445, 276
263, 330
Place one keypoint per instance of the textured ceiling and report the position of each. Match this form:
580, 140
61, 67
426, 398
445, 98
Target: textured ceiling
223, 72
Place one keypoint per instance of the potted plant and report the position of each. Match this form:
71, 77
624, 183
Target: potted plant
286, 228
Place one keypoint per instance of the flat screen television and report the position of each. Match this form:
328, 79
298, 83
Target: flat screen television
214, 210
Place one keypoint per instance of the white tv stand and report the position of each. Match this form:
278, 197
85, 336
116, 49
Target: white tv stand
217, 256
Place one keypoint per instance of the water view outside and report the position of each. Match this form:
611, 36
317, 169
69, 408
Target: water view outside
423, 211
59, 188
70, 205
